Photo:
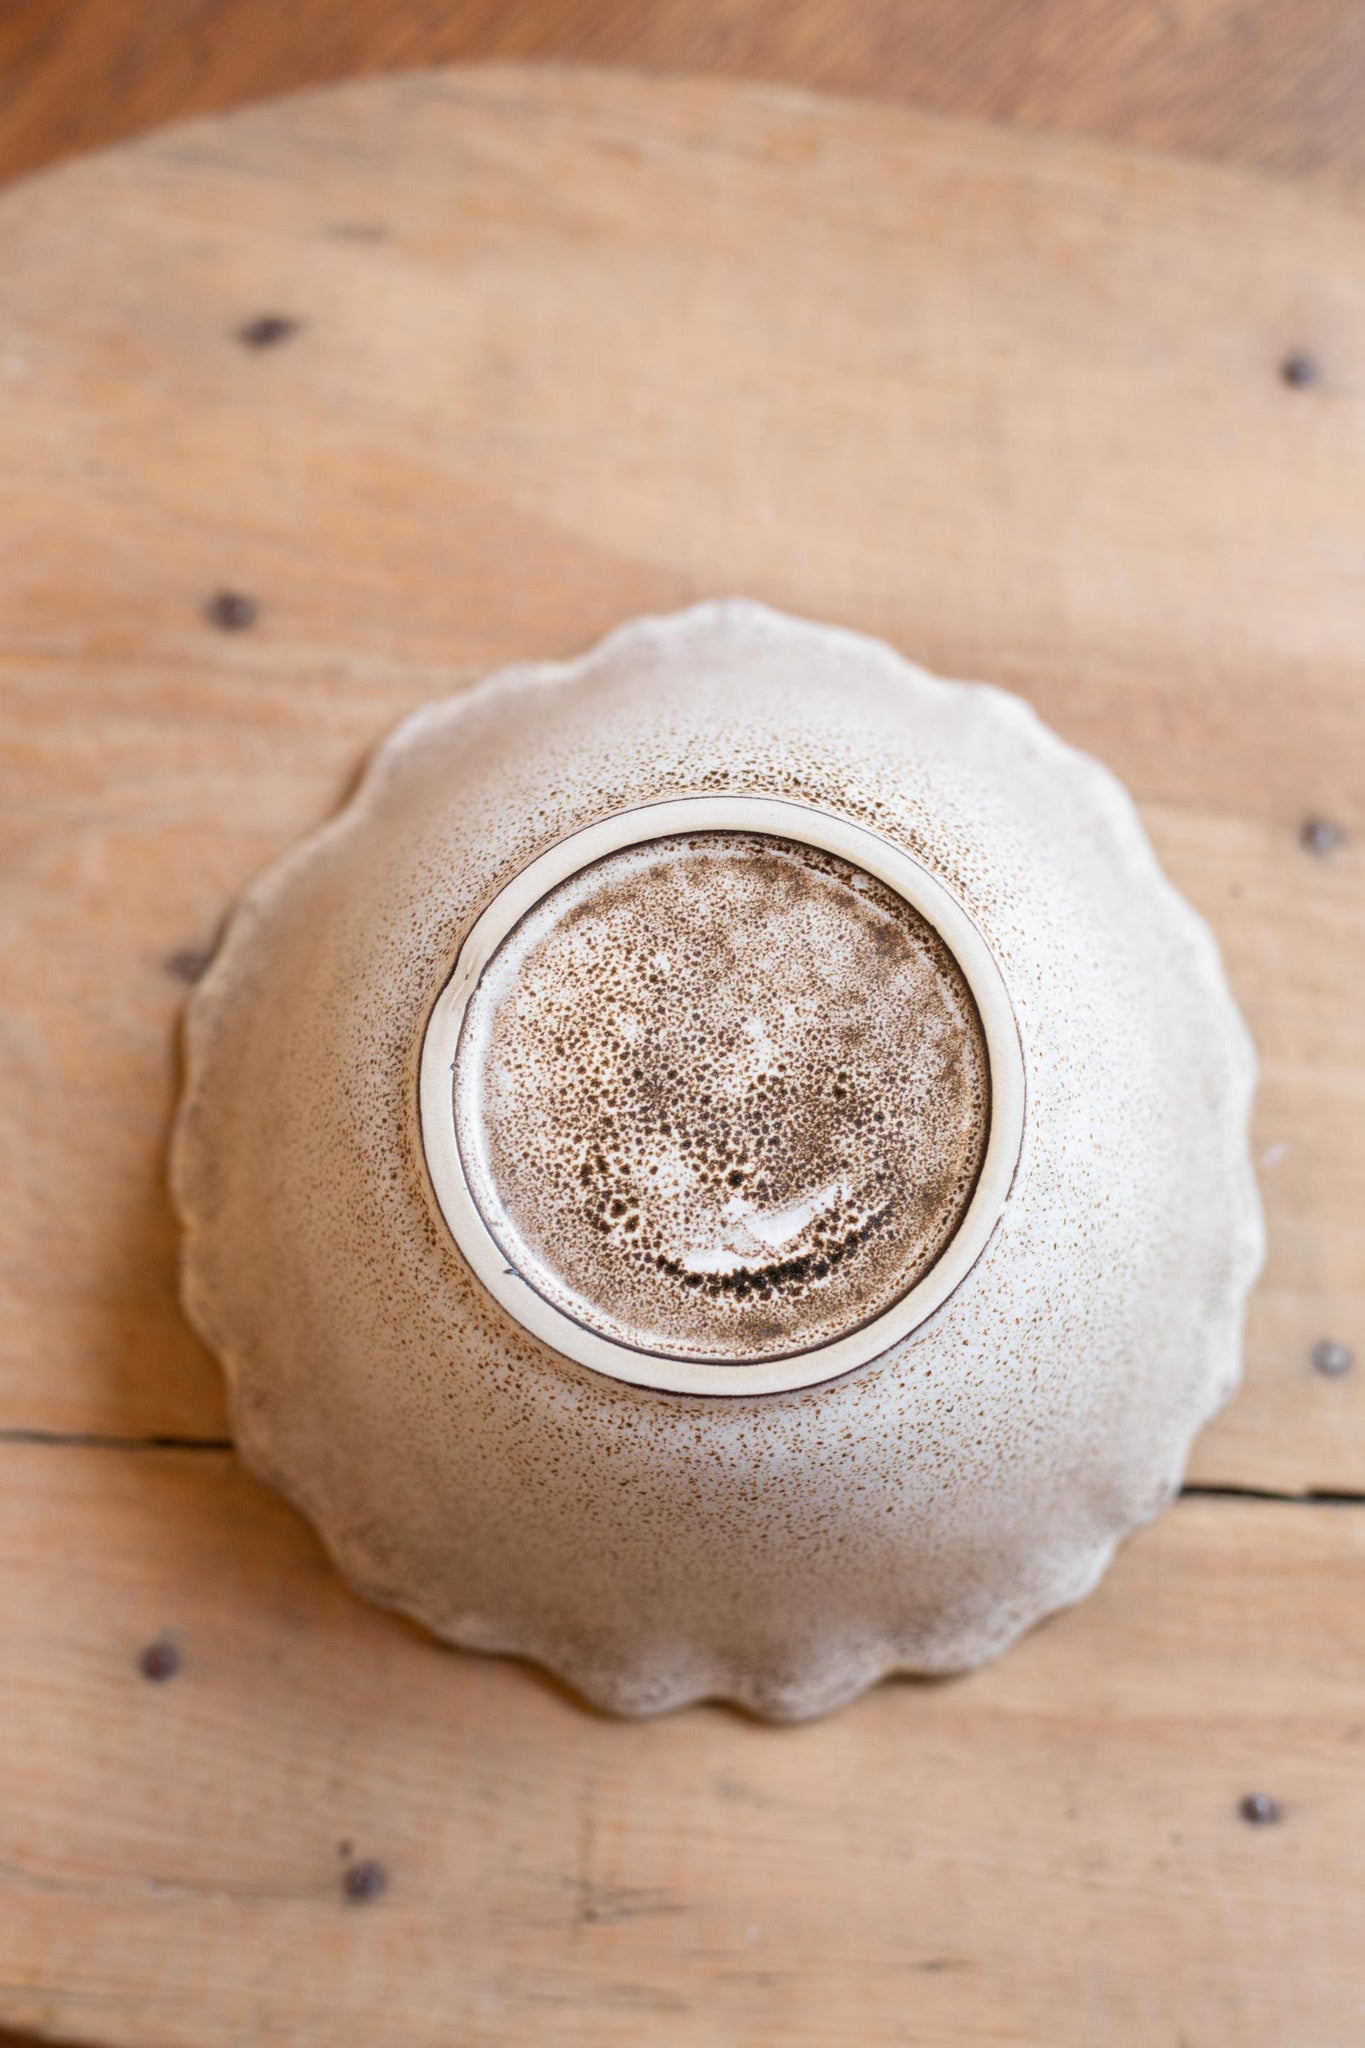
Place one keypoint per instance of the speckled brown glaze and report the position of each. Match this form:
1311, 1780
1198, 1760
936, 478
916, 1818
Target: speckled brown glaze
723, 1096
785, 1550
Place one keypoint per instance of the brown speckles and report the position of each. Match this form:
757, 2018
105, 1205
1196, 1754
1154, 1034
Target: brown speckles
764, 1104
160, 1661
268, 330
1321, 837
231, 611
1259, 1810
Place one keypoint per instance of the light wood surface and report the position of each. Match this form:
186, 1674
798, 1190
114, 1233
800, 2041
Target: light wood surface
1049, 1852
570, 347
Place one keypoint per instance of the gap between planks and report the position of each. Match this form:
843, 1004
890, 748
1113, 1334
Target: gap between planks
86, 1440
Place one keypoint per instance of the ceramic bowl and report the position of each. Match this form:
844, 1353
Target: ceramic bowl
724, 1170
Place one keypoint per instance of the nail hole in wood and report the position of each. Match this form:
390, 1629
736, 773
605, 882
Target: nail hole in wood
268, 330
1299, 370
160, 1660
1332, 1358
1259, 1810
364, 1882
1321, 836
189, 964
232, 611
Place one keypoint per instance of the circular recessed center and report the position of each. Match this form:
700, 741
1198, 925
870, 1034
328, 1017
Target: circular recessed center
722, 1096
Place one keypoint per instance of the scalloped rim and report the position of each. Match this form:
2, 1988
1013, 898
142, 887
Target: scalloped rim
625, 1690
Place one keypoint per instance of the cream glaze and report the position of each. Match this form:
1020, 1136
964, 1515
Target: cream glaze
782, 1551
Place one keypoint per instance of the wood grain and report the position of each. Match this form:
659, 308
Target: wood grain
1049, 1852
569, 347
573, 348
1278, 84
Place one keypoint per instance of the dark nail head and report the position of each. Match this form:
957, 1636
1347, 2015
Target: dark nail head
232, 611
1260, 1810
1321, 836
1332, 1358
363, 1882
159, 1661
1299, 370
268, 331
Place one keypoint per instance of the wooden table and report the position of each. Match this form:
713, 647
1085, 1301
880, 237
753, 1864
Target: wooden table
540, 351
1279, 84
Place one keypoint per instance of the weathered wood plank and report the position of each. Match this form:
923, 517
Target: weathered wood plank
571, 348
1277, 83
1048, 1851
